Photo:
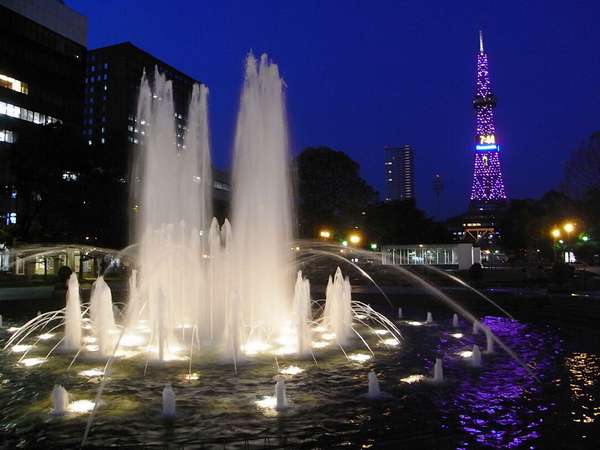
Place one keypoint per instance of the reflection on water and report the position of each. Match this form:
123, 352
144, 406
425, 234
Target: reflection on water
499, 405
584, 376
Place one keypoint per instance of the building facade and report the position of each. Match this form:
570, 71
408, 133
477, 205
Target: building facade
42, 65
460, 256
114, 135
399, 173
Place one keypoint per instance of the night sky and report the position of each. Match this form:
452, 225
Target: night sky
365, 74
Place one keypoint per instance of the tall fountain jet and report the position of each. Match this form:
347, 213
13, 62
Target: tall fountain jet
171, 206
262, 213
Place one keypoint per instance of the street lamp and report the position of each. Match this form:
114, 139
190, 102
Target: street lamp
569, 227
354, 238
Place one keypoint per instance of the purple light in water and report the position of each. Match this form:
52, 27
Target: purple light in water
501, 406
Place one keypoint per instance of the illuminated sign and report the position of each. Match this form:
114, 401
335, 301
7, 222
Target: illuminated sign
487, 147
488, 139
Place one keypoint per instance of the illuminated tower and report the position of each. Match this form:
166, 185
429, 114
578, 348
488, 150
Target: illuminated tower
487, 192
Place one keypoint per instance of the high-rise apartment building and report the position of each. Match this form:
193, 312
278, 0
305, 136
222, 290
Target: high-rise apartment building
399, 173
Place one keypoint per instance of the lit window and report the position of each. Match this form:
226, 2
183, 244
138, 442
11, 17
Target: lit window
7, 136
13, 84
6, 109
69, 176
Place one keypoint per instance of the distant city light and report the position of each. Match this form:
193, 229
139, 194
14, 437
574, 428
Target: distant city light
325, 234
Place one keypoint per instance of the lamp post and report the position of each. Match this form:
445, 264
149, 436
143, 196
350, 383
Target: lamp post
555, 236
569, 228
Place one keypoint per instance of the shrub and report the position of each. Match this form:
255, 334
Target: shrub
63, 274
476, 272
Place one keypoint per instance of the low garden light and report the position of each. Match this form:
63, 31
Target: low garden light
585, 238
373, 246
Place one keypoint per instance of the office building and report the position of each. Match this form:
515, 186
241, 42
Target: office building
42, 65
113, 134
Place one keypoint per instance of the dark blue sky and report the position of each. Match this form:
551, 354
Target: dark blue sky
365, 74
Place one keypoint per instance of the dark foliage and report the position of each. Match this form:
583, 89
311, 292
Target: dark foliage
401, 222
331, 192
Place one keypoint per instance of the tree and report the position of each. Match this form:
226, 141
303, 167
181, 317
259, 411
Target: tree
582, 170
331, 192
526, 224
401, 222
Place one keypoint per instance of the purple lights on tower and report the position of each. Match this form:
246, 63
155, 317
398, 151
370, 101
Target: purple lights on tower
488, 187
